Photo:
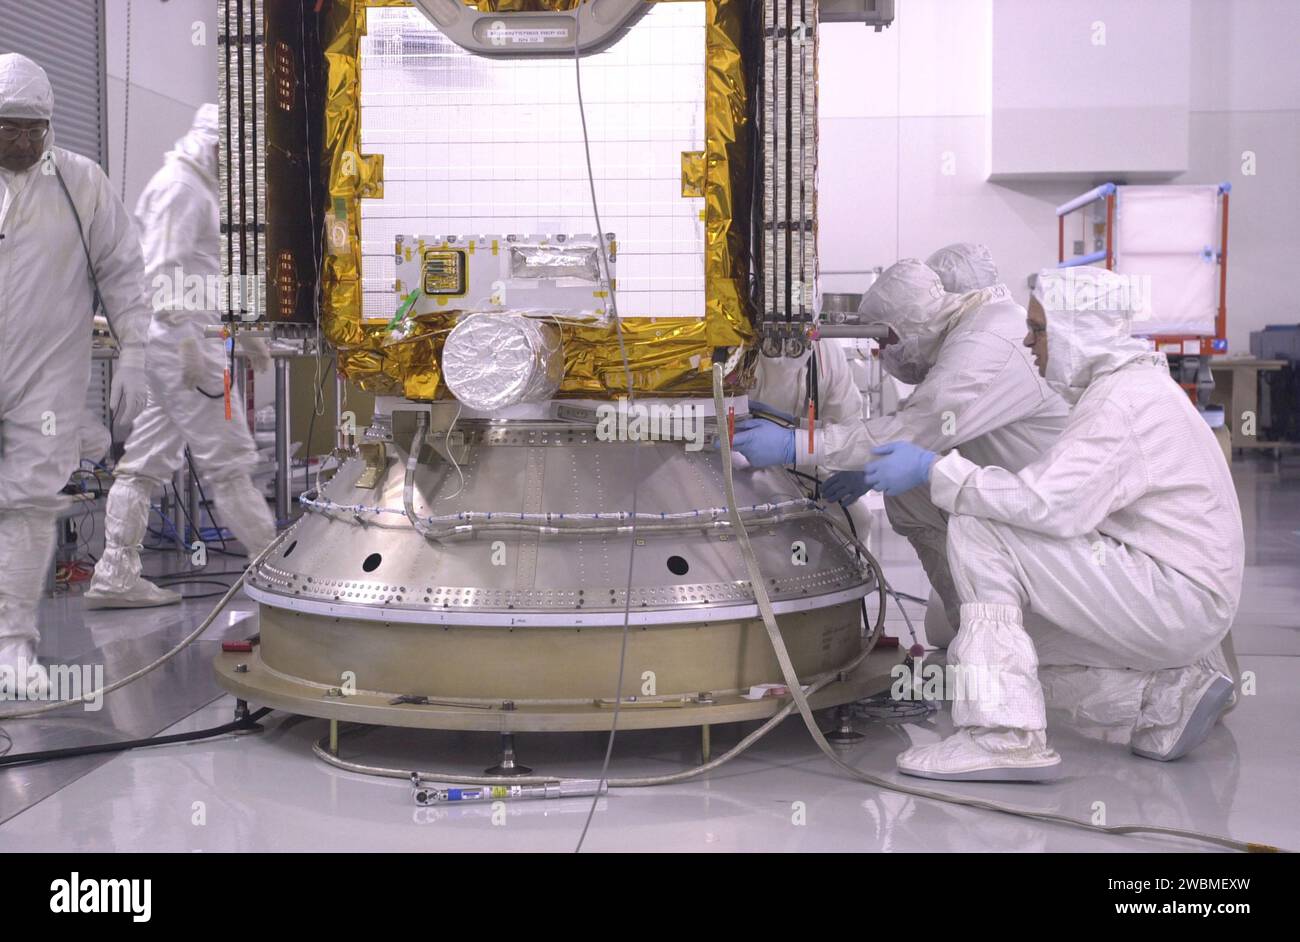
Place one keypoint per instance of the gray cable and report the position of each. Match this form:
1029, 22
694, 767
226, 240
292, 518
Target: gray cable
636, 452
408, 484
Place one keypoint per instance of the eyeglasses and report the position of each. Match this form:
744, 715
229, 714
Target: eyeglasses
12, 134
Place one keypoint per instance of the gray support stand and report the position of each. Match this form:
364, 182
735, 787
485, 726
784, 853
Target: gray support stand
283, 466
178, 510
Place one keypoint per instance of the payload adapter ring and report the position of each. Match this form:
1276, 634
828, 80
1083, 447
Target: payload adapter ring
479, 616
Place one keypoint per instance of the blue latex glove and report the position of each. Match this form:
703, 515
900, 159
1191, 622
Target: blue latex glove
756, 406
901, 467
845, 486
763, 443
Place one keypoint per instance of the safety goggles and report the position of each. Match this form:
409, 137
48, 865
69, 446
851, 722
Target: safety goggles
12, 134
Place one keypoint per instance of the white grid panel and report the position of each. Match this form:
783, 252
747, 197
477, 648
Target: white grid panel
476, 146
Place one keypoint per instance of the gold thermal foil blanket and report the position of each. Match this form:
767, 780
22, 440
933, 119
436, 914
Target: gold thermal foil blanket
670, 355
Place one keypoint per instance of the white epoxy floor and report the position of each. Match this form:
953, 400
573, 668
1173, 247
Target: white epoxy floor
266, 791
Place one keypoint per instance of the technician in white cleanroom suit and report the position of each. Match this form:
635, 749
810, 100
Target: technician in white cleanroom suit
178, 214
976, 388
1123, 543
964, 266
46, 310
781, 388
780, 382
961, 267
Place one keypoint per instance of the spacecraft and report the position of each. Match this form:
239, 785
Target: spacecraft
531, 232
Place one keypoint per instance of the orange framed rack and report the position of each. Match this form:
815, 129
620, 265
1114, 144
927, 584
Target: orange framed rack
1105, 250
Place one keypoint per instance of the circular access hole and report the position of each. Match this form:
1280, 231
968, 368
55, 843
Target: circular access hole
372, 562
678, 566
290, 548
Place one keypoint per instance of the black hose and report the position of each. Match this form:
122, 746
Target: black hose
24, 758
203, 501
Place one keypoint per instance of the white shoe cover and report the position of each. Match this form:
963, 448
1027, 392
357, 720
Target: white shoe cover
985, 755
140, 594
1179, 709
125, 521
